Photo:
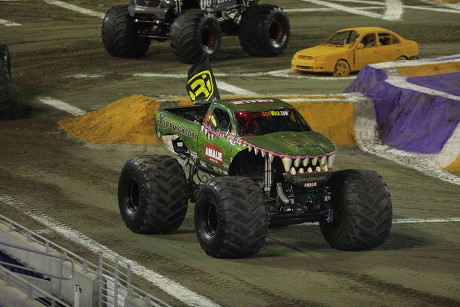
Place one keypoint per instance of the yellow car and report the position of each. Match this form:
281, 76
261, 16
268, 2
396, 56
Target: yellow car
350, 49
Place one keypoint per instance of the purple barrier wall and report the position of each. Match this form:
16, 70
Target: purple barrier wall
409, 120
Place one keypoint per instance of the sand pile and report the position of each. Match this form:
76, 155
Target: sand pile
129, 120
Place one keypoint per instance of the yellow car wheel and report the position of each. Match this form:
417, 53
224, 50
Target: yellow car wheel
341, 69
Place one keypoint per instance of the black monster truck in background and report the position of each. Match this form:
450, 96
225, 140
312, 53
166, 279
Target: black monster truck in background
5, 78
194, 27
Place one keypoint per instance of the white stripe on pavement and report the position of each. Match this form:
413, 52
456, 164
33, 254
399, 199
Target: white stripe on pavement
405, 221
61, 105
344, 8
393, 11
8, 23
75, 8
234, 89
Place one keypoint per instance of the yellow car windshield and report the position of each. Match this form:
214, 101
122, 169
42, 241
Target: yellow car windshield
342, 38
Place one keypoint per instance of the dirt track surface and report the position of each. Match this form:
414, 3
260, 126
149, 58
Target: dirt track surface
75, 183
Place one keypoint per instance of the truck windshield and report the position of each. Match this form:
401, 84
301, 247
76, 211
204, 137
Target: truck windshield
264, 122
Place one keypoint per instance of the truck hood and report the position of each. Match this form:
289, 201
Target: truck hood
292, 144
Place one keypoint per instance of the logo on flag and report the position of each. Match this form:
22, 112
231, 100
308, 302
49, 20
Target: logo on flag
201, 85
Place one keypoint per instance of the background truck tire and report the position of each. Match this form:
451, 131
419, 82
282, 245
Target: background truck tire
364, 215
5, 78
231, 218
264, 30
194, 33
152, 194
120, 36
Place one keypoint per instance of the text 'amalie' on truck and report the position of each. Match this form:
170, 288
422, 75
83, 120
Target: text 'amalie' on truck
195, 27
251, 163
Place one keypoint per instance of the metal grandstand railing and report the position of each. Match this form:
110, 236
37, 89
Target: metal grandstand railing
114, 276
33, 292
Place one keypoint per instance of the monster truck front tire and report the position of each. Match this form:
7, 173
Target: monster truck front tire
264, 30
5, 77
363, 212
119, 34
194, 33
231, 218
152, 194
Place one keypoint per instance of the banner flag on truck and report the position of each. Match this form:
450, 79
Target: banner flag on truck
201, 85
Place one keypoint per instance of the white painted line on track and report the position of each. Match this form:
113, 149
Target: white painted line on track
423, 8
434, 9
233, 89
405, 221
8, 23
394, 10
454, 6
324, 9
169, 286
283, 73
88, 76
433, 220
75, 8
345, 8
61, 105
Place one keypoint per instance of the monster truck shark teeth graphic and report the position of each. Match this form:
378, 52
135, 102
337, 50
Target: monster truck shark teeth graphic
291, 164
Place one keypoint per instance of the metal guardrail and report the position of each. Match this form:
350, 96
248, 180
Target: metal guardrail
114, 276
33, 292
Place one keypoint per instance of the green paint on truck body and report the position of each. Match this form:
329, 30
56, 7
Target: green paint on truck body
213, 133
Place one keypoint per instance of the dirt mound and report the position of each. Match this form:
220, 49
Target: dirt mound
129, 120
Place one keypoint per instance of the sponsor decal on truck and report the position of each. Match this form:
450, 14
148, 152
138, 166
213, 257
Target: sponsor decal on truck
213, 154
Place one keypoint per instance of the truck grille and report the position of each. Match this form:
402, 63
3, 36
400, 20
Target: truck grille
149, 3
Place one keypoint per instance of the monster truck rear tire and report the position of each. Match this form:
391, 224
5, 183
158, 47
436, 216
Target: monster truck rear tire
152, 194
120, 36
194, 33
264, 30
5, 77
363, 211
231, 218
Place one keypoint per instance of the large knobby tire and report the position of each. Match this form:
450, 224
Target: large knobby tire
119, 34
264, 30
363, 211
5, 77
194, 33
152, 194
341, 69
231, 218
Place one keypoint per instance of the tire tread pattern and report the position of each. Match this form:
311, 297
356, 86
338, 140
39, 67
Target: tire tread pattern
119, 34
253, 30
186, 32
163, 197
244, 218
365, 211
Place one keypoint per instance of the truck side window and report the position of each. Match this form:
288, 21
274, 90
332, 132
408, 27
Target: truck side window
223, 120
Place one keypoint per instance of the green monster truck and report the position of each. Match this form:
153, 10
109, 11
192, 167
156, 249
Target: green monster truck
251, 163
5, 78
194, 27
